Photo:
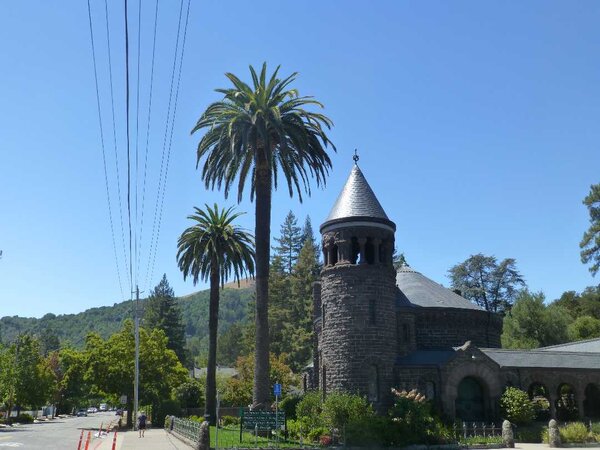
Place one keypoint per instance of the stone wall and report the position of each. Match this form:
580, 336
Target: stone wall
452, 327
352, 343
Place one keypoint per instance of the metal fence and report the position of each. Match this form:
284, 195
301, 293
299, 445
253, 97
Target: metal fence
467, 430
186, 428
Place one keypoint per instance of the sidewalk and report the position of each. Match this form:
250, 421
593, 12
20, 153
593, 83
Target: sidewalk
154, 439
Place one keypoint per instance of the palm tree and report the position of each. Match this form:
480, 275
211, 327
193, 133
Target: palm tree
252, 134
214, 249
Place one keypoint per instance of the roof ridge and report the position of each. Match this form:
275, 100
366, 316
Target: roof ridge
564, 344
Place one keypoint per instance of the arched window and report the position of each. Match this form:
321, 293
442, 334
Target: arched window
334, 255
369, 251
355, 251
373, 379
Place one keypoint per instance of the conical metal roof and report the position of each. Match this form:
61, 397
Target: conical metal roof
357, 202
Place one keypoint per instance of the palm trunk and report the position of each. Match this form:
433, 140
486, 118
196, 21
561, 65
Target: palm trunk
210, 409
262, 235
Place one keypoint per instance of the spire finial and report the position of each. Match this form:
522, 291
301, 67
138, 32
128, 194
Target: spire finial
356, 157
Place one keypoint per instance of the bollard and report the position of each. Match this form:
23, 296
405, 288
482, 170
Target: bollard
100, 430
114, 446
553, 434
508, 438
80, 440
87, 441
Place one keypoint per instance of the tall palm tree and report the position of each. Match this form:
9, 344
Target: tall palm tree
253, 134
214, 249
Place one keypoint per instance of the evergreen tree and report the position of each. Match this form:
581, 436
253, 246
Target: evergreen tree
308, 235
590, 244
290, 242
291, 307
163, 313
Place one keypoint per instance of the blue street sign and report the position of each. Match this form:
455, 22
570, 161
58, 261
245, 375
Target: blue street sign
277, 389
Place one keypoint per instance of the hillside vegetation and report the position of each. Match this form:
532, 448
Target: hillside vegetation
106, 320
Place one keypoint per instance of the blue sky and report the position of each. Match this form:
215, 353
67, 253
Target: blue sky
476, 124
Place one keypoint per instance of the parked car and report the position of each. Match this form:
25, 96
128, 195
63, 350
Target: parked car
82, 413
119, 412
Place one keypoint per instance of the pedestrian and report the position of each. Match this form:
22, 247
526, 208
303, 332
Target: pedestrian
142, 423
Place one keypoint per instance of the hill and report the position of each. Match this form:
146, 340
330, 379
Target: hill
106, 320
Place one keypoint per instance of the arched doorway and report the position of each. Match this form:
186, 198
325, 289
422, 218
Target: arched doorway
470, 400
566, 406
540, 396
591, 403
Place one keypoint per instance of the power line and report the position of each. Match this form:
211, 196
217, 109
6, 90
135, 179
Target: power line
172, 128
112, 231
112, 101
147, 137
154, 238
137, 128
128, 144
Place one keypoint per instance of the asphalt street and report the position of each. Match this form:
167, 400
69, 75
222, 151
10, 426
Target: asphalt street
57, 434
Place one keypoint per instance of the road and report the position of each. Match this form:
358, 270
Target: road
57, 434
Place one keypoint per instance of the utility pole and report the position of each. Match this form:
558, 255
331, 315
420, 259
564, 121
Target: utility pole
137, 358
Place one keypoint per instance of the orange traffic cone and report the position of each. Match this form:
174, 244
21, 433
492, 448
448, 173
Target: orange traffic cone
87, 441
115, 441
80, 441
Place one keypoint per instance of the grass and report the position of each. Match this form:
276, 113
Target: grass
230, 437
472, 440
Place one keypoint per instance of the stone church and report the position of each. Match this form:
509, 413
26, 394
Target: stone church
378, 328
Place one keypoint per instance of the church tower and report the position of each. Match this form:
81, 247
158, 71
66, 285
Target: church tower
357, 327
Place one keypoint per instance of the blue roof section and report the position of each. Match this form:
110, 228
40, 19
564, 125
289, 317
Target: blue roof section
357, 201
416, 290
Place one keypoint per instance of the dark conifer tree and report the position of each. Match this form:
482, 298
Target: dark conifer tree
163, 312
290, 242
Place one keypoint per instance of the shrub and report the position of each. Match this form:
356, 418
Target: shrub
516, 406
167, 408
23, 418
371, 431
168, 422
289, 404
414, 422
574, 432
308, 410
340, 408
316, 433
531, 434
230, 420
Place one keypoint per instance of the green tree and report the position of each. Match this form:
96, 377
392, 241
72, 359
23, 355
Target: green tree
230, 345
110, 366
585, 304
584, 327
516, 406
487, 283
290, 241
532, 324
255, 133
32, 382
163, 312
214, 249
309, 235
73, 388
590, 244
237, 390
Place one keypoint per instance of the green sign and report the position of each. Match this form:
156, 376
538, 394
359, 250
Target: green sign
263, 420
